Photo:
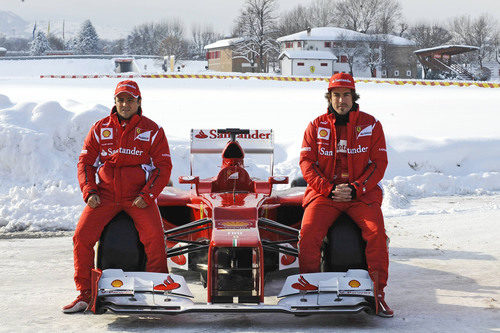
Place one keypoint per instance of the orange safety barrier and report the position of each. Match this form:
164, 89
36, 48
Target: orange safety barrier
278, 78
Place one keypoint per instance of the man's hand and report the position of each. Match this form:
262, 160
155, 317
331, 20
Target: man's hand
93, 201
139, 202
342, 192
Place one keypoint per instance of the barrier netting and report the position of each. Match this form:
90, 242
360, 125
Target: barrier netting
481, 84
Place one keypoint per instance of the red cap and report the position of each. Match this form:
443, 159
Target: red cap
128, 86
341, 80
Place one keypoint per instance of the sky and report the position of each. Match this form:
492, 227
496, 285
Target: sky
115, 17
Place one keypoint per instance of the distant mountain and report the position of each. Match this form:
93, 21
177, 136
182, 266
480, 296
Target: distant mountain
11, 25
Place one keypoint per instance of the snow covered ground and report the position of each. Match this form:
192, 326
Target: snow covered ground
442, 192
443, 278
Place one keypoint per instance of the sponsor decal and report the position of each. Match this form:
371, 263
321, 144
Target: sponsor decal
382, 149
234, 176
342, 146
355, 292
179, 260
303, 284
323, 122
325, 152
143, 136
367, 131
354, 284
125, 151
323, 133
234, 224
305, 149
201, 135
212, 134
343, 80
357, 150
106, 133
287, 260
167, 284
117, 283
84, 151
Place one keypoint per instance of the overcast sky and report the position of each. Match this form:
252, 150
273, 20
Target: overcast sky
119, 16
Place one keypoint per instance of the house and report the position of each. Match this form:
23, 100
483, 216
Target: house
221, 57
307, 63
362, 54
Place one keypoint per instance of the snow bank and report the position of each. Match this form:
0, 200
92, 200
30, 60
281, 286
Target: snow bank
75, 66
431, 151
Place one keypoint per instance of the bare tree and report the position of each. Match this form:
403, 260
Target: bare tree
295, 20
201, 37
145, 39
321, 13
354, 50
176, 46
173, 42
357, 15
379, 16
388, 16
426, 35
373, 56
257, 25
164, 38
481, 32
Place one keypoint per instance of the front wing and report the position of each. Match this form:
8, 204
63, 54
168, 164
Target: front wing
302, 294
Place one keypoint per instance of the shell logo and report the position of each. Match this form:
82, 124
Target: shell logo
323, 133
117, 283
354, 284
106, 133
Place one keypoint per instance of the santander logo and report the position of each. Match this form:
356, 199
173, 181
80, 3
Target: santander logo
201, 135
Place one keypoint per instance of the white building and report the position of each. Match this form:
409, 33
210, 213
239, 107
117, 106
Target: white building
307, 63
391, 56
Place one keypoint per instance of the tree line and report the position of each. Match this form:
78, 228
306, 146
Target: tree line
259, 24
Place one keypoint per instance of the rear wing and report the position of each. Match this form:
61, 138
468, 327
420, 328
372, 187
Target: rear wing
210, 141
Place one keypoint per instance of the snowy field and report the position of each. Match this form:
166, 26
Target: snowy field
442, 193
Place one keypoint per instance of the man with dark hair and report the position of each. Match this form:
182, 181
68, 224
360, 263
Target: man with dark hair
129, 153
343, 158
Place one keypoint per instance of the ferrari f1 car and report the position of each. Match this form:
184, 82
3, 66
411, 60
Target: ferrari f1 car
234, 230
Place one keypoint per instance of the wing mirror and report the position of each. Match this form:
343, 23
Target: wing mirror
278, 180
189, 180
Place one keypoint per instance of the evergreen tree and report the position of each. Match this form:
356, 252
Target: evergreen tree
87, 41
40, 44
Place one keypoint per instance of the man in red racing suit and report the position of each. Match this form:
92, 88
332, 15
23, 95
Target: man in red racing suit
343, 158
130, 155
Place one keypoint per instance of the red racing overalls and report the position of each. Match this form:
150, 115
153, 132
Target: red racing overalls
366, 164
130, 159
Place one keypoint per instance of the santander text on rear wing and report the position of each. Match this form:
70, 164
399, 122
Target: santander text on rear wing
213, 141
